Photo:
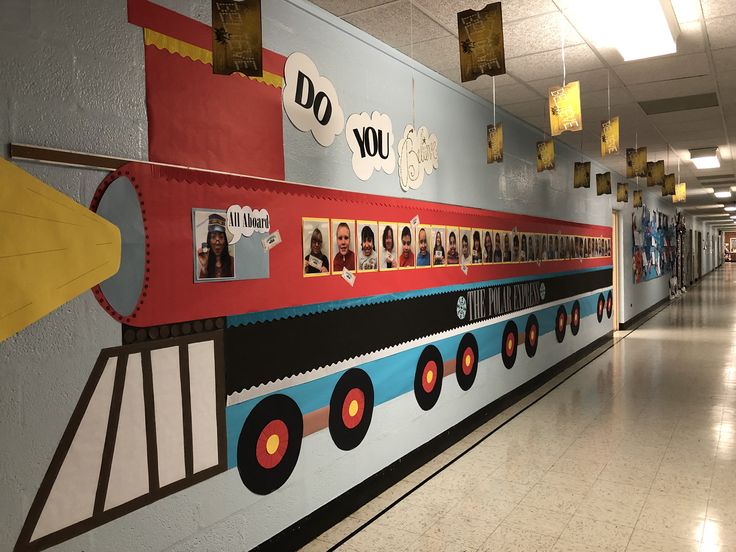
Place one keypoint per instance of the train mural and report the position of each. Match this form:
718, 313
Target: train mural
271, 331
240, 372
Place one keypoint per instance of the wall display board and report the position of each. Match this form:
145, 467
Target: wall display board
653, 244
177, 403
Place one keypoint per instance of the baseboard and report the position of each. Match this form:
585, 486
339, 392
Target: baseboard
314, 524
629, 324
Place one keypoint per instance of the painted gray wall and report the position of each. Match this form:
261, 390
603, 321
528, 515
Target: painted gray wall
73, 78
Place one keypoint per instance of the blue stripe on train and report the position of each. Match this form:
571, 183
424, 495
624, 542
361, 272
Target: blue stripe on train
242, 319
392, 376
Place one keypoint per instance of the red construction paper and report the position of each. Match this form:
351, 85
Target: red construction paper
171, 295
197, 119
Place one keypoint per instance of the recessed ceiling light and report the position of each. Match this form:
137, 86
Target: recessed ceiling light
723, 195
705, 158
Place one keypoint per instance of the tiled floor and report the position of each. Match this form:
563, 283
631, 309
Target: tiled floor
636, 451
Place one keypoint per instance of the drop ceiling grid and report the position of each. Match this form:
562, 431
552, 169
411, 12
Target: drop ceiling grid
705, 62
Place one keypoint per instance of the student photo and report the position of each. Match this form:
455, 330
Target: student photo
388, 252
453, 255
497, 251
544, 248
367, 255
515, 246
523, 249
438, 248
424, 258
477, 250
506, 248
465, 236
531, 254
214, 258
314, 246
342, 245
406, 260
487, 247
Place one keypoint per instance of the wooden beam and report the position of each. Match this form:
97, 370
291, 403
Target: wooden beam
25, 152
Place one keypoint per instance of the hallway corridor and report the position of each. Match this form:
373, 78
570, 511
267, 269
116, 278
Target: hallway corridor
636, 451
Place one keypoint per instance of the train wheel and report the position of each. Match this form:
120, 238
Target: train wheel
269, 444
531, 336
575, 318
609, 304
428, 377
508, 344
561, 323
601, 306
351, 409
466, 361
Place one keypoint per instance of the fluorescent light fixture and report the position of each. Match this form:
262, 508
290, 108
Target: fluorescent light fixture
723, 195
638, 29
733, 188
643, 28
731, 208
705, 158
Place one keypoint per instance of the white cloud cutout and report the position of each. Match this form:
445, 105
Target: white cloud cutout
418, 155
371, 139
310, 100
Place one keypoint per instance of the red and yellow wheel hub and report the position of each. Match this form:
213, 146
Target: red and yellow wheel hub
429, 376
272, 444
510, 344
468, 361
353, 408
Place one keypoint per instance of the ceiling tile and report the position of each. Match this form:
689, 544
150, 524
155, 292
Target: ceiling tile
396, 24
663, 68
537, 34
438, 53
691, 39
445, 11
718, 8
549, 64
342, 7
687, 10
511, 93
527, 109
596, 79
710, 115
599, 98
484, 81
676, 88
724, 59
721, 31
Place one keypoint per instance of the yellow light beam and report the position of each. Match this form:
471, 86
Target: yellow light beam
51, 249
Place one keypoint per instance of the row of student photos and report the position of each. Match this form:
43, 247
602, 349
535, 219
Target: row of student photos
331, 245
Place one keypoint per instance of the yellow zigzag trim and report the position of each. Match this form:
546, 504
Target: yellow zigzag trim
195, 53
